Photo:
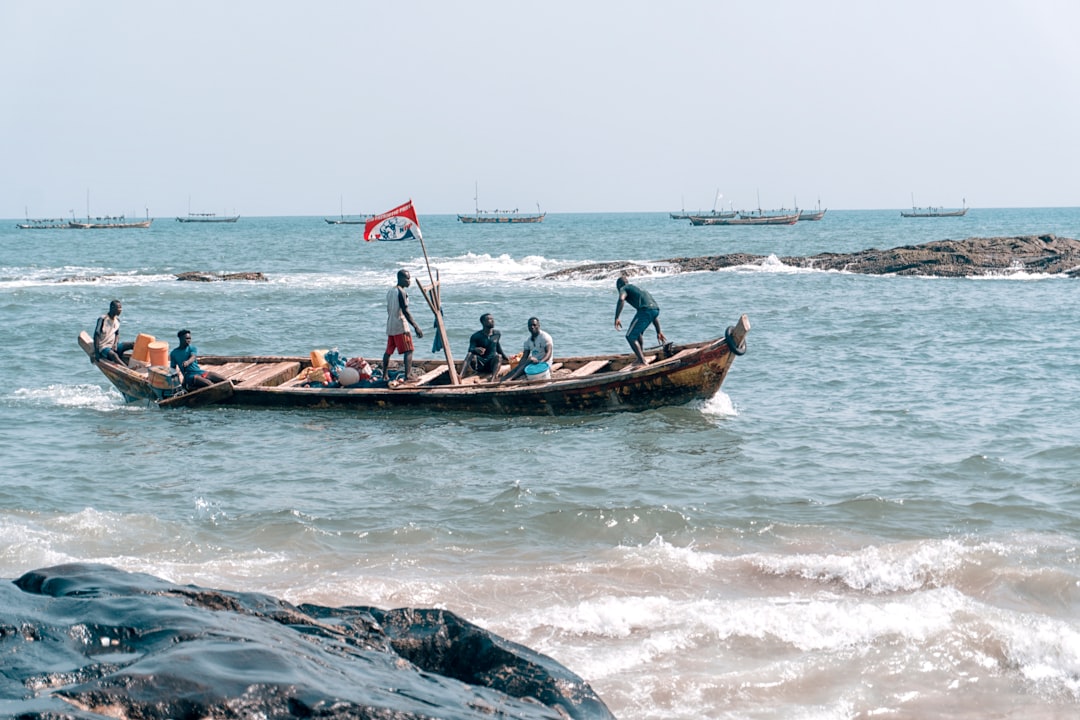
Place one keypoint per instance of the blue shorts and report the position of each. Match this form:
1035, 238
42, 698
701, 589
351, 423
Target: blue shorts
642, 320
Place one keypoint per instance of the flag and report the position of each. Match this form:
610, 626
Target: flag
397, 224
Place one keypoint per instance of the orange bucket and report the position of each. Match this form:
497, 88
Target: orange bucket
159, 352
141, 352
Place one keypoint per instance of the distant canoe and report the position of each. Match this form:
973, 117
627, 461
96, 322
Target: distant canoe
44, 224
109, 224
932, 213
208, 218
703, 213
747, 219
811, 215
501, 217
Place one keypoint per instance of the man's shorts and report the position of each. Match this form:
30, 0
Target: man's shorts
642, 320
399, 343
484, 364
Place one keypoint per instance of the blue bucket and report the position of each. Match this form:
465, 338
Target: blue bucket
538, 371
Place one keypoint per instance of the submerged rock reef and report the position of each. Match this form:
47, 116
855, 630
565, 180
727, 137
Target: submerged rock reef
87, 641
1047, 254
205, 276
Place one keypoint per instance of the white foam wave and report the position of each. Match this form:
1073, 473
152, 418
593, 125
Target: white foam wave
73, 396
887, 569
15, 278
719, 405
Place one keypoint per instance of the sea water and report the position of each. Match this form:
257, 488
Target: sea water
877, 516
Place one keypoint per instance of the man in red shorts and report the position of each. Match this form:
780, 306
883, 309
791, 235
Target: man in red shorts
398, 338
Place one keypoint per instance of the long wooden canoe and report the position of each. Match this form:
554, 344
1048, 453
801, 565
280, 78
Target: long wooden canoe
674, 375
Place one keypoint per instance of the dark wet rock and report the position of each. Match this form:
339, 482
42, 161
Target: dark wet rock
945, 258
90, 641
202, 276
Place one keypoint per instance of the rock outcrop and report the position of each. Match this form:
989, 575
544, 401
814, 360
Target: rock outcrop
87, 641
946, 258
203, 276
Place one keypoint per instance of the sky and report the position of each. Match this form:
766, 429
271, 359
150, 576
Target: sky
262, 107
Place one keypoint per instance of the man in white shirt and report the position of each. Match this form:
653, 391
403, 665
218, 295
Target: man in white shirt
398, 338
539, 347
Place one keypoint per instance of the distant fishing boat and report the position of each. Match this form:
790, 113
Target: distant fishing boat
933, 212
118, 222
500, 216
105, 222
811, 215
748, 219
342, 220
43, 223
714, 213
207, 218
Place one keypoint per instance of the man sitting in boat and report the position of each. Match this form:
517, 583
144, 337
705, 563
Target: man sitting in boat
648, 313
539, 348
107, 345
485, 355
185, 359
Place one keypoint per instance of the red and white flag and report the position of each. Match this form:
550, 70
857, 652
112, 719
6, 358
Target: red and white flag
397, 224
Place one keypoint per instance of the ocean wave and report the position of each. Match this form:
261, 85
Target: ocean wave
93, 397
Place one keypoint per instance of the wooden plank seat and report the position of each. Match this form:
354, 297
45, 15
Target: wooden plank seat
589, 368
265, 374
676, 356
432, 375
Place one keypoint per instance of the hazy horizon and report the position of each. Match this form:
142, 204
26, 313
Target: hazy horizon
268, 109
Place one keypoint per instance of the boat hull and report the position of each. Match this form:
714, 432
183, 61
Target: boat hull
674, 376
501, 219
109, 225
748, 220
933, 213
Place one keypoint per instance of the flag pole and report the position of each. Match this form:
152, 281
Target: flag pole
435, 304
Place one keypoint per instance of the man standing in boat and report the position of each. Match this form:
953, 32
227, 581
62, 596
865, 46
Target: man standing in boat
648, 313
398, 338
107, 345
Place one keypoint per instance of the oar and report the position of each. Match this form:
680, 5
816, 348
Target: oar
431, 296
433, 303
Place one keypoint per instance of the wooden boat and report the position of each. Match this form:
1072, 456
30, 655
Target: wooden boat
342, 220
933, 212
500, 216
674, 375
347, 221
207, 218
721, 214
812, 215
748, 219
109, 223
44, 224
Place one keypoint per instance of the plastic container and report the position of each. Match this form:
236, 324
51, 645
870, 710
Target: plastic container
318, 358
163, 378
141, 351
538, 371
158, 352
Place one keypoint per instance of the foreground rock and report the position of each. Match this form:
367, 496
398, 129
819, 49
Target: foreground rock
87, 641
946, 258
200, 276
